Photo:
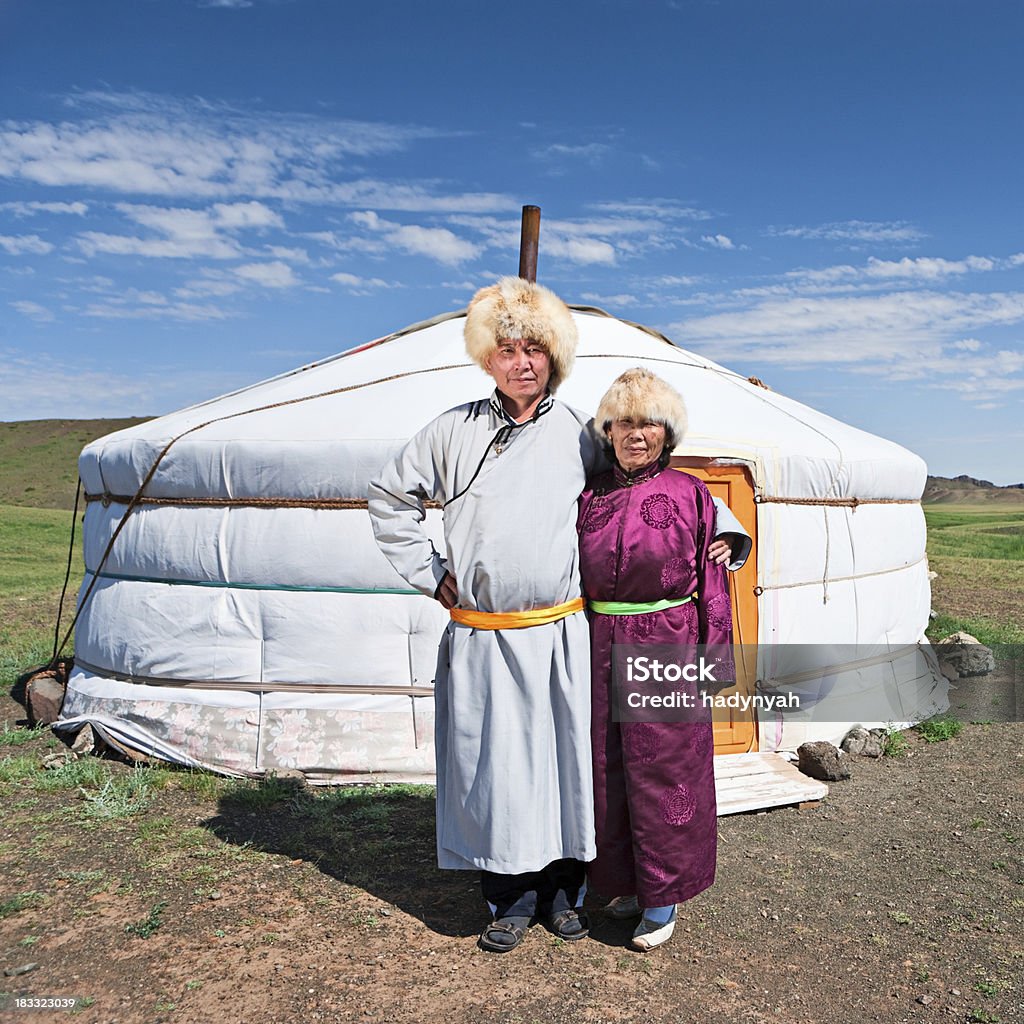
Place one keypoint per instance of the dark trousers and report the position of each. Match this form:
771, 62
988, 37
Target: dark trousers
551, 890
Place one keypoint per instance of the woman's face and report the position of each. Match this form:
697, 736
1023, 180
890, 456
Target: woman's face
637, 443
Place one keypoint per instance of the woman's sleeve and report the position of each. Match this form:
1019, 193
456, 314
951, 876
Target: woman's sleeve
714, 606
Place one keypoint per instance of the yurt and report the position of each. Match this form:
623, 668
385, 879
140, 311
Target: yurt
239, 617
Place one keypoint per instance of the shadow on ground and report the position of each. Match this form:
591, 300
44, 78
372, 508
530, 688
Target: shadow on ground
376, 839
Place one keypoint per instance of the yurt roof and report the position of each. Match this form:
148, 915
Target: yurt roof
324, 429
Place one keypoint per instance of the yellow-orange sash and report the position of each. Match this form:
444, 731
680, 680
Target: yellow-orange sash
515, 620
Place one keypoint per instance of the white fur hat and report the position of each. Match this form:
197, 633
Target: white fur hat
517, 308
639, 394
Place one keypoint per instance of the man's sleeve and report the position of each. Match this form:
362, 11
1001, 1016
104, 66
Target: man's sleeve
396, 504
728, 523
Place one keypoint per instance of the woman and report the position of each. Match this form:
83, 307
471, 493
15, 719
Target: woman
644, 535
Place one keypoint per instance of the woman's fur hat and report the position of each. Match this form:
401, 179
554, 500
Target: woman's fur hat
639, 394
517, 308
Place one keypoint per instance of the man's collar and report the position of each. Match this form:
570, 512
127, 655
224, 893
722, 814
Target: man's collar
545, 404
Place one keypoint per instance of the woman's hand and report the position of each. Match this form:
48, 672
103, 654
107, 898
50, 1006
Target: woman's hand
720, 549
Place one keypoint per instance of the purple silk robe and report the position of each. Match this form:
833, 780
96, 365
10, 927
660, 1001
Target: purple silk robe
654, 782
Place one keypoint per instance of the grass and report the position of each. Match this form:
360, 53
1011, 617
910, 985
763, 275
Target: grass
40, 459
19, 902
978, 555
149, 924
941, 727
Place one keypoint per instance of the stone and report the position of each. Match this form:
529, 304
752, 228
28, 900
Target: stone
44, 695
85, 741
965, 654
14, 972
859, 742
821, 760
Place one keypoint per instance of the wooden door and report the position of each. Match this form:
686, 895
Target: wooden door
735, 731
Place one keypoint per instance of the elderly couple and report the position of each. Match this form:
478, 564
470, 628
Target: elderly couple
538, 785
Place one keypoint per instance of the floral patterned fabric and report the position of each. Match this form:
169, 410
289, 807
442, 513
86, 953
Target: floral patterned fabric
654, 782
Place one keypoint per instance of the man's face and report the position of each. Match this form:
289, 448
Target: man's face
521, 368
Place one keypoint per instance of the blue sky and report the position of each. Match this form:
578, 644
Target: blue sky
826, 194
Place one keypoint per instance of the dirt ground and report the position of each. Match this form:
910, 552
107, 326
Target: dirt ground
899, 898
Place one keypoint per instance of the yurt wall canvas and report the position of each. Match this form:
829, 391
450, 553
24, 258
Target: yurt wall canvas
244, 620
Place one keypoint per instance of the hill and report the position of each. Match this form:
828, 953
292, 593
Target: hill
966, 490
39, 459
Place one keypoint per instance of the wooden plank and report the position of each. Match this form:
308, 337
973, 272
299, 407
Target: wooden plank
748, 782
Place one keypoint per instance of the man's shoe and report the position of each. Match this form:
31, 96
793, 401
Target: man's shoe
503, 934
622, 907
569, 925
650, 934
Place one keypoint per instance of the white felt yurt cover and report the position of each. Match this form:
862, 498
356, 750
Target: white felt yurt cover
245, 621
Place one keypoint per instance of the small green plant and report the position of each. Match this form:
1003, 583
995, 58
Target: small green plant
18, 769
149, 924
18, 736
894, 744
939, 728
986, 988
981, 1017
900, 918
119, 797
29, 940
19, 902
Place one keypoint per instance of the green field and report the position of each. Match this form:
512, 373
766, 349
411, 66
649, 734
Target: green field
978, 554
39, 459
33, 559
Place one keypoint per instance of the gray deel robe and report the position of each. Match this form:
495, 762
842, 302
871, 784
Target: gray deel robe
512, 707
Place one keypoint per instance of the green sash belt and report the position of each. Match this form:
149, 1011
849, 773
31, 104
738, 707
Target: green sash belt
637, 608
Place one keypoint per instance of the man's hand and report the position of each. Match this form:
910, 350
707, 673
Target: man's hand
447, 591
720, 549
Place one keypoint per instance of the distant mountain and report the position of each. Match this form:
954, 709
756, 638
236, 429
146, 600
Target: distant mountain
966, 490
39, 458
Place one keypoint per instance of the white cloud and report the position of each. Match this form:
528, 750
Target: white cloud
235, 5
212, 283
30, 209
922, 268
20, 245
113, 309
882, 329
268, 275
291, 255
93, 242
580, 250
234, 216
33, 311
658, 209
609, 300
967, 345
718, 241
187, 233
35, 385
438, 243
141, 144
360, 285
854, 231
592, 152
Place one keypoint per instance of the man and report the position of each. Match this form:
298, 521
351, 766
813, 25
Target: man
512, 691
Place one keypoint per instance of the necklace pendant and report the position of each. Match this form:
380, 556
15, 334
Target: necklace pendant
497, 449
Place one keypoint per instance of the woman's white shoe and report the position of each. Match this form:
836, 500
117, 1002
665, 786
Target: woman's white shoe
650, 934
622, 907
